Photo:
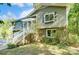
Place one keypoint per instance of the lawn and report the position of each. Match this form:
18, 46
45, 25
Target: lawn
40, 49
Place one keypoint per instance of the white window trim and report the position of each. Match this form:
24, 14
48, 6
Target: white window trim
51, 34
48, 14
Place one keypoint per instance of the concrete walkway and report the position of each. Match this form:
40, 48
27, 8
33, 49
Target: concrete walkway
3, 47
3, 44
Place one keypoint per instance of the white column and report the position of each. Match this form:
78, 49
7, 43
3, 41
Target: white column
67, 11
27, 26
23, 33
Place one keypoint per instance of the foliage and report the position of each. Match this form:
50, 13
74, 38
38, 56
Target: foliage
73, 40
51, 41
37, 5
10, 46
35, 27
73, 25
8, 4
16, 31
73, 22
5, 30
1, 22
62, 45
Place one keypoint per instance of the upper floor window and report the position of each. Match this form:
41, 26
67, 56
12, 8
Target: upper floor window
48, 17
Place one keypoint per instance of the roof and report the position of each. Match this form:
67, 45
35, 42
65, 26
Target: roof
32, 14
44, 5
51, 4
29, 15
30, 19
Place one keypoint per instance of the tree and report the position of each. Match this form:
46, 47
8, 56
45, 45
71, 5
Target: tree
5, 29
8, 4
74, 19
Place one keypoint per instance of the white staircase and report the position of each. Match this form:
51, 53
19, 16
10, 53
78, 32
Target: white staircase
3, 46
20, 36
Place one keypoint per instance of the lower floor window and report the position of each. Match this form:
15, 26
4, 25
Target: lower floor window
50, 32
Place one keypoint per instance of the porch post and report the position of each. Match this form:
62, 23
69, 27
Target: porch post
23, 34
27, 26
13, 32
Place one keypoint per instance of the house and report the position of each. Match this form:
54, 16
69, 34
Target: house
51, 18
48, 19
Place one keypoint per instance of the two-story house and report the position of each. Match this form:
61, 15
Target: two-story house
47, 18
50, 18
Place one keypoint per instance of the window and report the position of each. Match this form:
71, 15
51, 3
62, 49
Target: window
50, 17
50, 33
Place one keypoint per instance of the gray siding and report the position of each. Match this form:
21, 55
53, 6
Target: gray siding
61, 17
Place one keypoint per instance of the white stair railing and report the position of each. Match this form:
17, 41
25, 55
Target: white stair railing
16, 37
19, 36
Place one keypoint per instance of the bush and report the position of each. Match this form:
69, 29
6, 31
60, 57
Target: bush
62, 45
66, 40
16, 31
73, 39
10, 46
51, 41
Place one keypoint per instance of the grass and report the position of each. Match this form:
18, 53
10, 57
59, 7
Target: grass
39, 49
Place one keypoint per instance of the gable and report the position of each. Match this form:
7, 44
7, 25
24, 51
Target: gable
36, 11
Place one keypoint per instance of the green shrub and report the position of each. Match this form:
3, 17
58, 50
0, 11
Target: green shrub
73, 39
62, 45
10, 46
51, 41
16, 31
66, 40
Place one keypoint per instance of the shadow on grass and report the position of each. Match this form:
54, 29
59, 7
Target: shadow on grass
39, 49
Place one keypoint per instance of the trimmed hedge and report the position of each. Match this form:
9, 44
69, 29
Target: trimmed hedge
10, 46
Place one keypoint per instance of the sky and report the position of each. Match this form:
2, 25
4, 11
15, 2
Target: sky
17, 10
